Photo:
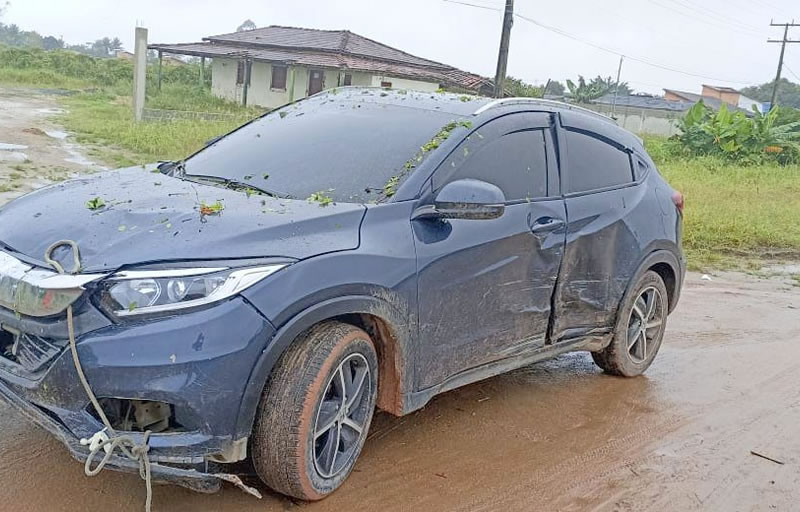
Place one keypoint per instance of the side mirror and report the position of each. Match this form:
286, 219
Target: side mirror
466, 199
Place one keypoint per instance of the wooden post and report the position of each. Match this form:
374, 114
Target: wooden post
139, 72
202, 72
160, 62
502, 58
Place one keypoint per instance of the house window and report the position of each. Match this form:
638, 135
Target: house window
348, 79
278, 77
240, 72
386, 85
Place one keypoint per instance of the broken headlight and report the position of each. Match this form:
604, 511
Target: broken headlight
134, 293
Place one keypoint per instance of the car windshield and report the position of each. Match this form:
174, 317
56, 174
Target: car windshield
346, 149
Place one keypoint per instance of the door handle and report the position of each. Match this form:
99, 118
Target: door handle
546, 225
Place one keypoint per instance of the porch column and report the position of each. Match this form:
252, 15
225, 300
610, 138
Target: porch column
246, 86
160, 63
202, 72
291, 83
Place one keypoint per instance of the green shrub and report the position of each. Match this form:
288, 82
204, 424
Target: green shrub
738, 138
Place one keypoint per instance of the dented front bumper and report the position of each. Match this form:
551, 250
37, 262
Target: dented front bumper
197, 362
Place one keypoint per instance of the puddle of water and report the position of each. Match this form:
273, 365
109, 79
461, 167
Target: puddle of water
5, 146
75, 157
56, 134
51, 111
12, 156
789, 268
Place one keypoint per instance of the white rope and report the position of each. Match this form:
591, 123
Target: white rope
137, 452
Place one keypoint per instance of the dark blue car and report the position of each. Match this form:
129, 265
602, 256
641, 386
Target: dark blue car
361, 248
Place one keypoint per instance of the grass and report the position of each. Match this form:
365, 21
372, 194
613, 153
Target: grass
104, 121
735, 215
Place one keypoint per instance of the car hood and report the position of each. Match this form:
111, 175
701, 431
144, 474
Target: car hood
149, 217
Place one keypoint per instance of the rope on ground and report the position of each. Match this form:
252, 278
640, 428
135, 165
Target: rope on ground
137, 452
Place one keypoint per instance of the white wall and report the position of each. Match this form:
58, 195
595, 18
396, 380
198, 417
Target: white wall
223, 79
747, 104
404, 83
223, 83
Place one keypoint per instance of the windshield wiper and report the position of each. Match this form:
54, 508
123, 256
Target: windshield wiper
235, 185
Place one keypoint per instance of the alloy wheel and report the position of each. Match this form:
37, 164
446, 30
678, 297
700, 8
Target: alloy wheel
644, 323
342, 415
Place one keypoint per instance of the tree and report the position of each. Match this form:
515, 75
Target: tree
788, 93
555, 88
51, 43
609, 84
583, 92
519, 89
246, 25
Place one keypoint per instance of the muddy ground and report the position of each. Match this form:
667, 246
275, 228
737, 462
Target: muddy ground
557, 435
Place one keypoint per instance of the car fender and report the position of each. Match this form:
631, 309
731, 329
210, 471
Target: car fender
395, 320
660, 252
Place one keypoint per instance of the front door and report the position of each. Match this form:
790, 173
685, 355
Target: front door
485, 286
315, 81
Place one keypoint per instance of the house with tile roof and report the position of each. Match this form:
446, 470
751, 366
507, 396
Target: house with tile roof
275, 65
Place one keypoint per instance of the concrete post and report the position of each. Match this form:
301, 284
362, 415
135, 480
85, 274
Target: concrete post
202, 72
139, 71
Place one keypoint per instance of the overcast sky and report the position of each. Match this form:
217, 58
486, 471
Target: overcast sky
721, 42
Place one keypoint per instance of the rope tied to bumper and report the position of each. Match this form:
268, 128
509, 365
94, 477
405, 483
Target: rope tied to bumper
137, 452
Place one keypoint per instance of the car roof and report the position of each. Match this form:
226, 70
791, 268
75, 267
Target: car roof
464, 105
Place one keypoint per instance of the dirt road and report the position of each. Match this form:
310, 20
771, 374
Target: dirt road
34, 150
558, 435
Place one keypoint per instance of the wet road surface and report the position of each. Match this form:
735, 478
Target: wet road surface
557, 435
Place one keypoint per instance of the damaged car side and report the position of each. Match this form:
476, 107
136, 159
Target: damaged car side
359, 249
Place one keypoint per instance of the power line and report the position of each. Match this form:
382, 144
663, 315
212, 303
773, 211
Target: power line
601, 47
705, 11
792, 72
702, 19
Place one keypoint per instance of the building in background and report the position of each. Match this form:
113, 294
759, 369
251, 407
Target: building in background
715, 96
285, 64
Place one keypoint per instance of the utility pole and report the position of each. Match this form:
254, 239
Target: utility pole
502, 58
783, 42
616, 87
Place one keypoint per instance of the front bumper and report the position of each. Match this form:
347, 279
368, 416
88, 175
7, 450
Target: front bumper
196, 480
198, 362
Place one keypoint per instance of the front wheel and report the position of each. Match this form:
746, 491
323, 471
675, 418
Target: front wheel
639, 330
315, 411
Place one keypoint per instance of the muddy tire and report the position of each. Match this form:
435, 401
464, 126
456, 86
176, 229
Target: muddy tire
640, 328
315, 411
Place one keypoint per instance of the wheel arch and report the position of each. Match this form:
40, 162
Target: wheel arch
385, 322
667, 265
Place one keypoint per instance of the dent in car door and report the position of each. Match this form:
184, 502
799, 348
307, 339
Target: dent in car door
601, 245
485, 286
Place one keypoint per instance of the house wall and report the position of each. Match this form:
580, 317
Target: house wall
731, 98
642, 121
670, 96
223, 79
404, 83
223, 83
748, 103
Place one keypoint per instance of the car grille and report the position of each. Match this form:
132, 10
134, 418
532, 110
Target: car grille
29, 353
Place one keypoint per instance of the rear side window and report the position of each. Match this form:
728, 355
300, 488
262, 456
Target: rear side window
595, 164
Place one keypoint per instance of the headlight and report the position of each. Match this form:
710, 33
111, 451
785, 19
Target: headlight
146, 292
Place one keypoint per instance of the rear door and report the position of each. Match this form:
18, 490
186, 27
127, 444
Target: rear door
485, 286
602, 243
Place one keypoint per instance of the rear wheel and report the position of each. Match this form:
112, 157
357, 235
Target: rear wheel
639, 330
315, 411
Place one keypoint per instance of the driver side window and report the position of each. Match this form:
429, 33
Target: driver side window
515, 161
